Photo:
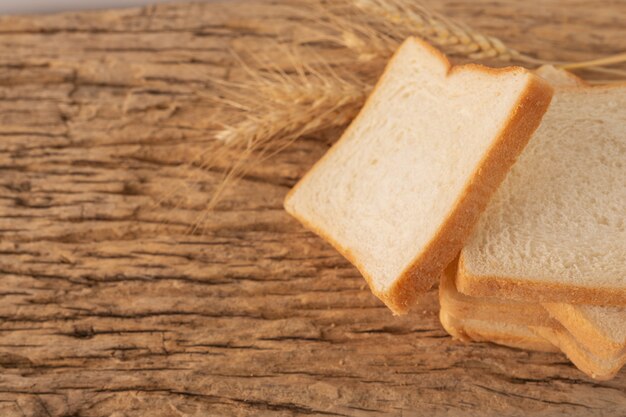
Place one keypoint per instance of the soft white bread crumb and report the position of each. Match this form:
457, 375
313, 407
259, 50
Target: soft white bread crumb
399, 192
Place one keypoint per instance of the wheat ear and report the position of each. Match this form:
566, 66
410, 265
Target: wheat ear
273, 107
599, 65
376, 27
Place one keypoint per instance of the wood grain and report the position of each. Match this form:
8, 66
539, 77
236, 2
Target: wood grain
109, 306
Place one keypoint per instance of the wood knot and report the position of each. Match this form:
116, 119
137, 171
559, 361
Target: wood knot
82, 332
11, 360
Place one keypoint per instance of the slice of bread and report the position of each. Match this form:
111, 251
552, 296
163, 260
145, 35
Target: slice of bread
555, 230
487, 308
398, 194
602, 330
538, 338
559, 77
509, 323
592, 365
506, 334
603, 327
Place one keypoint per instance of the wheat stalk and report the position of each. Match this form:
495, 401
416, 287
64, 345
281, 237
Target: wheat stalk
389, 22
275, 106
599, 65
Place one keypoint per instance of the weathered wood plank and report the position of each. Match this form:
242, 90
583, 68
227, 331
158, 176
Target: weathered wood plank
110, 306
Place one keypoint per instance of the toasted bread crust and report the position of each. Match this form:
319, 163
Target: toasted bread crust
426, 267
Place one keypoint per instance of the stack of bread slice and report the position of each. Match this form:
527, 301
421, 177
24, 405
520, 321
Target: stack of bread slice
592, 337
551, 245
425, 178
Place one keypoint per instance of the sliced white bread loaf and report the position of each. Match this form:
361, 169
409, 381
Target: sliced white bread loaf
398, 194
555, 231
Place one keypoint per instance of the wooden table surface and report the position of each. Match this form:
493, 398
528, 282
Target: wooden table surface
109, 306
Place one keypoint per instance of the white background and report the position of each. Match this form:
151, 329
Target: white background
50, 6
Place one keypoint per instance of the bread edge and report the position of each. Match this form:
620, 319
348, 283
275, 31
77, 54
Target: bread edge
584, 331
488, 309
579, 356
579, 82
534, 291
513, 137
460, 330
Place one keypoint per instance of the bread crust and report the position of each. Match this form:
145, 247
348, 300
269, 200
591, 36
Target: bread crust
585, 331
534, 290
425, 268
550, 315
488, 309
593, 366
461, 330
560, 77
551, 337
